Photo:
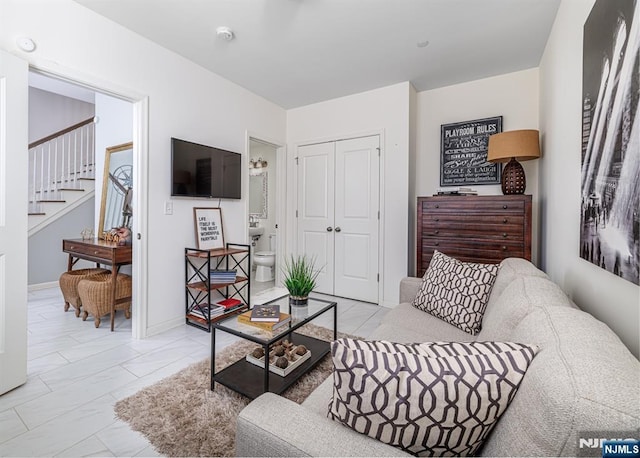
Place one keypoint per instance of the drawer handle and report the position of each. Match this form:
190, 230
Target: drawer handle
504, 234
437, 243
72, 247
504, 248
436, 232
504, 206
437, 219
437, 206
504, 221
95, 252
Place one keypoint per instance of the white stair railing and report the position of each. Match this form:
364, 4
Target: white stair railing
57, 162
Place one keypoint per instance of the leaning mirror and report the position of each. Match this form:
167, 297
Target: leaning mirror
258, 195
117, 188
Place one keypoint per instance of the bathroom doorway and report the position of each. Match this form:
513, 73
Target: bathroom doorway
263, 214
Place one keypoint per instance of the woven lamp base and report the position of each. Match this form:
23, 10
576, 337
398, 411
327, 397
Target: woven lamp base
513, 179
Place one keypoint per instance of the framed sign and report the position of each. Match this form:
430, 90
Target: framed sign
209, 235
463, 152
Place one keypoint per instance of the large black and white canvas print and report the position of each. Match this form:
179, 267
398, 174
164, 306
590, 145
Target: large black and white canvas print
610, 218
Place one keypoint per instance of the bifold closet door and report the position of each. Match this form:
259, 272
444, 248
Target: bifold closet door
357, 191
338, 214
316, 209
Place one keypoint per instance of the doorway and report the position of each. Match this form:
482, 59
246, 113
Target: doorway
338, 214
265, 210
52, 103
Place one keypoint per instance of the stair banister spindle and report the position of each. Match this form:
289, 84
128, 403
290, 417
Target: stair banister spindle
62, 169
51, 180
74, 169
34, 168
82, 170
85, 151
42, 169
92, 148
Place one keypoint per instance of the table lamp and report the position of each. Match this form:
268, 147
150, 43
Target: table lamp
509, 147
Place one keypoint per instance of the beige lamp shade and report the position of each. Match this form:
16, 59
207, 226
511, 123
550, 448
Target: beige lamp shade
523, 145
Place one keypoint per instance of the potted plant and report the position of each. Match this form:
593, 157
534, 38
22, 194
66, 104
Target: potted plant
300, 278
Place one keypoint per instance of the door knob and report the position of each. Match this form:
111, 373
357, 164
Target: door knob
329, 229
338, 229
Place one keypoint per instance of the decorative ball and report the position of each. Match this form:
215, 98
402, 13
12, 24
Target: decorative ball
282, 362
258, 353
279, 350
301, 350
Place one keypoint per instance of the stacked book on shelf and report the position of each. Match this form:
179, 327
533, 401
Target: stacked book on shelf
205, 311
222, 276
456, 192
265, 316
220, 310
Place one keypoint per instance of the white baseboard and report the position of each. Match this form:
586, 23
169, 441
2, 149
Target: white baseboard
388, 304
165, 326
39, 286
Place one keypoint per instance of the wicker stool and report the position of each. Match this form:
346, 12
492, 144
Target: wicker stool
95, 293
69, 286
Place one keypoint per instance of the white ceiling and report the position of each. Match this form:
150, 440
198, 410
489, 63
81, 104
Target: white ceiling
297, 52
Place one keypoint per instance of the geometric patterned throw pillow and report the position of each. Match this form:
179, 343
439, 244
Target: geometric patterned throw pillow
427, 405
431, 349
456, 292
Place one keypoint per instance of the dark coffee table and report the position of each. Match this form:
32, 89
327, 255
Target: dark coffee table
251, 380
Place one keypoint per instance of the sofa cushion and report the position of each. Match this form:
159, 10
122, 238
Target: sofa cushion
426, 405
405, 323
582, 381
510, 269
456, 292
521, 297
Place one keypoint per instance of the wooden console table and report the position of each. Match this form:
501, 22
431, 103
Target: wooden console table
100, 252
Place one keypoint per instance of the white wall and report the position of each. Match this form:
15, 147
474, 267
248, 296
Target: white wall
46, 258
513, 96
606, 296
185, 101
383, 110
50, 113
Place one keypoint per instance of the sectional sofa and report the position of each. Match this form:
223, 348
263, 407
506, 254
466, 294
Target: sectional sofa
582, 384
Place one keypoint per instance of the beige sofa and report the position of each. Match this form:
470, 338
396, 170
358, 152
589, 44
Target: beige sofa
583, 382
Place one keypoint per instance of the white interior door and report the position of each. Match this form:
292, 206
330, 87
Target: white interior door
357, 193
338, 202
13, 220
316, 209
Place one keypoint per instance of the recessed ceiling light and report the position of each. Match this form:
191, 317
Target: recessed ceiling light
26, 44
224, 33
422, 44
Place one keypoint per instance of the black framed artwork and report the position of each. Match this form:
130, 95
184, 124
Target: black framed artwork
463, 152
610, 108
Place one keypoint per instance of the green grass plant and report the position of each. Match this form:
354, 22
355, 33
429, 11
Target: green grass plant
300, 275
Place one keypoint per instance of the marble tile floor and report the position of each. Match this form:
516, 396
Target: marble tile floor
76, 373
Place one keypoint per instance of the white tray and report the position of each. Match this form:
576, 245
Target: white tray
277, 370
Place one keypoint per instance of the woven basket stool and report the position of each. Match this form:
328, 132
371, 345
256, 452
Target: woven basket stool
95, 293
69, 285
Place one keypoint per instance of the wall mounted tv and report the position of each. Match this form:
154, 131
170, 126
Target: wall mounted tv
204, 171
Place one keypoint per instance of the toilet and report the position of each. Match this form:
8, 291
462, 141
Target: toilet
265, 261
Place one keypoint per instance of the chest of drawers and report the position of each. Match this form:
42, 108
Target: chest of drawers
473, 228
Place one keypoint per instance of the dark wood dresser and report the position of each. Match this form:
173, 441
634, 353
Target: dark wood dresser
473, 228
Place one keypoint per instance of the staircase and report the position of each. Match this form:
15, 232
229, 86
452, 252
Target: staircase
61, 173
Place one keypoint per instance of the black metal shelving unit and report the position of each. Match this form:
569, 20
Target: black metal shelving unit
199, 290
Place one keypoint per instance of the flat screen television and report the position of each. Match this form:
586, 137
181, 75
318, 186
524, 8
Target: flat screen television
204, 171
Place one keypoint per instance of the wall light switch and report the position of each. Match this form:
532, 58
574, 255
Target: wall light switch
168, 207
